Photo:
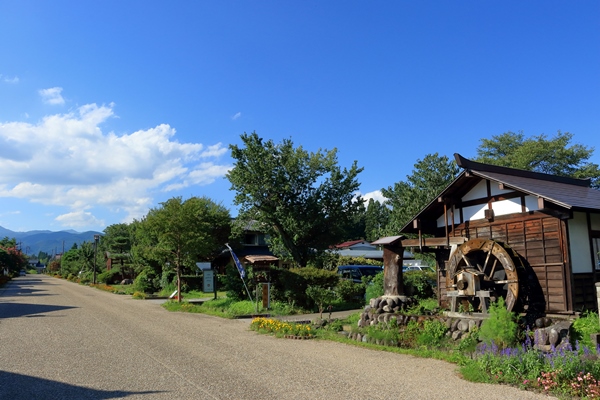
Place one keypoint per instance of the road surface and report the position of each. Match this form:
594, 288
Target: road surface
61, 340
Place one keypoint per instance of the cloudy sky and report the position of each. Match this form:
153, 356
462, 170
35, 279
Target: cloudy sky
109, 108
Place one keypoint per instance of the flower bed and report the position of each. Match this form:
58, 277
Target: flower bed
282, 328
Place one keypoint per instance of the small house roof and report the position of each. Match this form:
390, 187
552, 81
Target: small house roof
388, 239
350, 243
260, 258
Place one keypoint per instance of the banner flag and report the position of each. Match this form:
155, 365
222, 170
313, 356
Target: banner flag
237, 262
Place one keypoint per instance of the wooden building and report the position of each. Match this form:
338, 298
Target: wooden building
529, 237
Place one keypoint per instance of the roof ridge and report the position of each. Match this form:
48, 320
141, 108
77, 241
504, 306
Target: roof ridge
477, 166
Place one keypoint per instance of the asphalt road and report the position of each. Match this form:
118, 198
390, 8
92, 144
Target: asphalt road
60, 340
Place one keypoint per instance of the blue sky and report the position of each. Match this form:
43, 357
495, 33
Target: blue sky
108, 108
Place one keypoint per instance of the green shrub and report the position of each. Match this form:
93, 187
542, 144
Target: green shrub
420, 284
432, 334
408, 337
585, 325
191, 282
322, 297
501, 327
146, 281
233, 284
139, 295
290, 285
468, 343
374, 288
348, 291
109, 277
85, 277
168, 279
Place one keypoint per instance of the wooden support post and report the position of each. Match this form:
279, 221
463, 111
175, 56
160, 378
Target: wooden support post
393, 257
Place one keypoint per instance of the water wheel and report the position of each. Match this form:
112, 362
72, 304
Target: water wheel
481, 270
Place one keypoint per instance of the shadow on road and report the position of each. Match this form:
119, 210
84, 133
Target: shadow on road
17, 386
15, 310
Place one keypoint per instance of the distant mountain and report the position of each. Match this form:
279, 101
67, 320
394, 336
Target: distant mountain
32, 242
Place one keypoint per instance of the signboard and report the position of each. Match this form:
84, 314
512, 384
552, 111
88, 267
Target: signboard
203, 266
209, 280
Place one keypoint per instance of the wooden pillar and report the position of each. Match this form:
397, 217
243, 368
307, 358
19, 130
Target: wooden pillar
393, 255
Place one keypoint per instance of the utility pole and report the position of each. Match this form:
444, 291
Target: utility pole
96, 238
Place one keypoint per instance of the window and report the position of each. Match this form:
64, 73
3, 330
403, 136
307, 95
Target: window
255, 239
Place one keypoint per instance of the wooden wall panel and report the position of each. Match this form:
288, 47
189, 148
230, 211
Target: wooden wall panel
537, 238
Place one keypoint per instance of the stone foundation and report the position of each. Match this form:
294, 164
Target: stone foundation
548, 334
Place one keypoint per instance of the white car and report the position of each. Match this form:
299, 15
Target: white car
417, 268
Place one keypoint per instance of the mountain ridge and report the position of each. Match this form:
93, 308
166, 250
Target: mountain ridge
50, 242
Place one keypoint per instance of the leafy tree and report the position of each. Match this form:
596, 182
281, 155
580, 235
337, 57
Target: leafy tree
406, 198
321, 297
11, 258
184, 232
305, 201
70, 263
376, 219
117, 241
87, 256
538, 153
43, 257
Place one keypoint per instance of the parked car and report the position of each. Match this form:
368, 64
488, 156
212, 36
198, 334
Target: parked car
417, 268
22, 273
356, 272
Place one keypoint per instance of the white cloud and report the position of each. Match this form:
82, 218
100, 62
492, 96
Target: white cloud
79, 219
375, 195
52, 96
67, 160
14, 80
236, 115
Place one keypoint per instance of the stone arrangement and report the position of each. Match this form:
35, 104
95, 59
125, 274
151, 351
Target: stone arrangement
388, 309
548, 334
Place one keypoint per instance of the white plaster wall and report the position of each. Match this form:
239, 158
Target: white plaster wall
440, 220
531, 203
505, 207
474, 212
579, 243
478, 192
495, 189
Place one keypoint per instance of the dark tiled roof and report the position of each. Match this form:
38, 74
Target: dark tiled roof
568, 193
560, 190
562, 194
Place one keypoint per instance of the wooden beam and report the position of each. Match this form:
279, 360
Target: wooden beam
439, 241
541, 204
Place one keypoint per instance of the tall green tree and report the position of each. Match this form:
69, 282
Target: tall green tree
377, 218
555, 155
406, 198
70, 262
117, 240
304, 200
184, 232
